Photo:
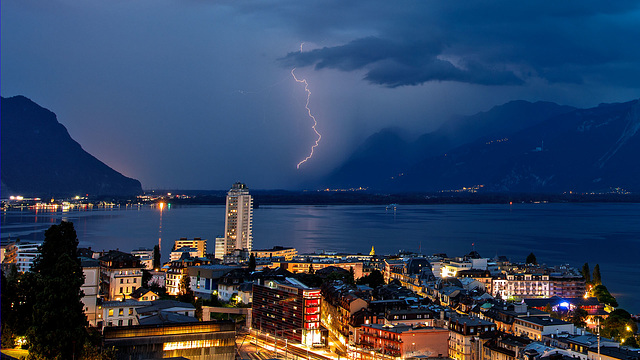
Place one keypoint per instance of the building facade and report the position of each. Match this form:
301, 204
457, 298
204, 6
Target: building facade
22, 254
463, 335
288, 253
303, 266
90, 288
239, 219
289, 310
204, 340
121, 313
534, 327
204, 279
377, 341
120, 274
146, 257
197, 243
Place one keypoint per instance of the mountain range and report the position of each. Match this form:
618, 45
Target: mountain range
516, 147
39, 157
519, 146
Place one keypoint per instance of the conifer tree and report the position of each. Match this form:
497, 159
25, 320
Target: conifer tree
58, 330
586, 273
156, 257
252, 263
597, 278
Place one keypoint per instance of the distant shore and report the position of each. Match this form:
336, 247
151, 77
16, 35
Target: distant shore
280, 197
337, 197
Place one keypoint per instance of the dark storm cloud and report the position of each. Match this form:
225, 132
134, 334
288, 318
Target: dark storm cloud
488, 43
393, 64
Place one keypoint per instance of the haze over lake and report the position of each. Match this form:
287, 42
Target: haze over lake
607, 234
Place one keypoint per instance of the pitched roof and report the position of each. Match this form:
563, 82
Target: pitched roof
139, 292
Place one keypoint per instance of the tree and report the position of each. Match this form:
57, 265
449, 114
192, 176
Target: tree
597, 278
531, 259
586, 273
619, 325
604, 296
373, 279
631, 342
146, 277
311, 271
58, 330
579, 317
351, 277
252, 263
156, 257
186, 294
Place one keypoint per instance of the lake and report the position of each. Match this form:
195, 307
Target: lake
568, 233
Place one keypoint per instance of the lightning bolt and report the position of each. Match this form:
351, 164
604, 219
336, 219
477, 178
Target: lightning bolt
306, 106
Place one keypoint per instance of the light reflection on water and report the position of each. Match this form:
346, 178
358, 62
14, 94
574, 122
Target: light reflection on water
608, 234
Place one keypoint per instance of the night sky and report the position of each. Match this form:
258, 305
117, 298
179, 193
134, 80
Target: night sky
199, 94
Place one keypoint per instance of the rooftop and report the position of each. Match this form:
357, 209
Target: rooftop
126, 303
544, 321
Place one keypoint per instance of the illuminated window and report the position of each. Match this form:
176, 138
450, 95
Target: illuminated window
110, 312
120, 312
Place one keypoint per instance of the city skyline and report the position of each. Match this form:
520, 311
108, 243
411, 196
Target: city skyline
200, 95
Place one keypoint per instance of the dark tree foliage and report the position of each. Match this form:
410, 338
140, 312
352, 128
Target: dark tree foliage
252, 263
373, 279
586, 273
157, 257
597, 278
579, 317
604, 296
186, 294
93, 350
619, 325
146, 277
531, 259
18, 297
311, 271
347, 278
631, 342
58, 330
311, 280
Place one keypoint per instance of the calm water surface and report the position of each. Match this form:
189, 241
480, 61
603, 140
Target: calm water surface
608, 234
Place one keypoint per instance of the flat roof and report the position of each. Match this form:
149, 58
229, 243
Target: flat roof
544, 321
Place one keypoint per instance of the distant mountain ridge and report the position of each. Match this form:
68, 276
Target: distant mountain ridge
39, 158
516, 147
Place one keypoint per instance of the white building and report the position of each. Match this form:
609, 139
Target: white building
146, 257
121, 274
534, 327
177, 254
90, 287
239, 218
197, 243
451, 269
22, 253
122, 313
522, 286
221, 248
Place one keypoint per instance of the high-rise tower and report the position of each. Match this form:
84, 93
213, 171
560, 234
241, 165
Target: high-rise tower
238, 221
